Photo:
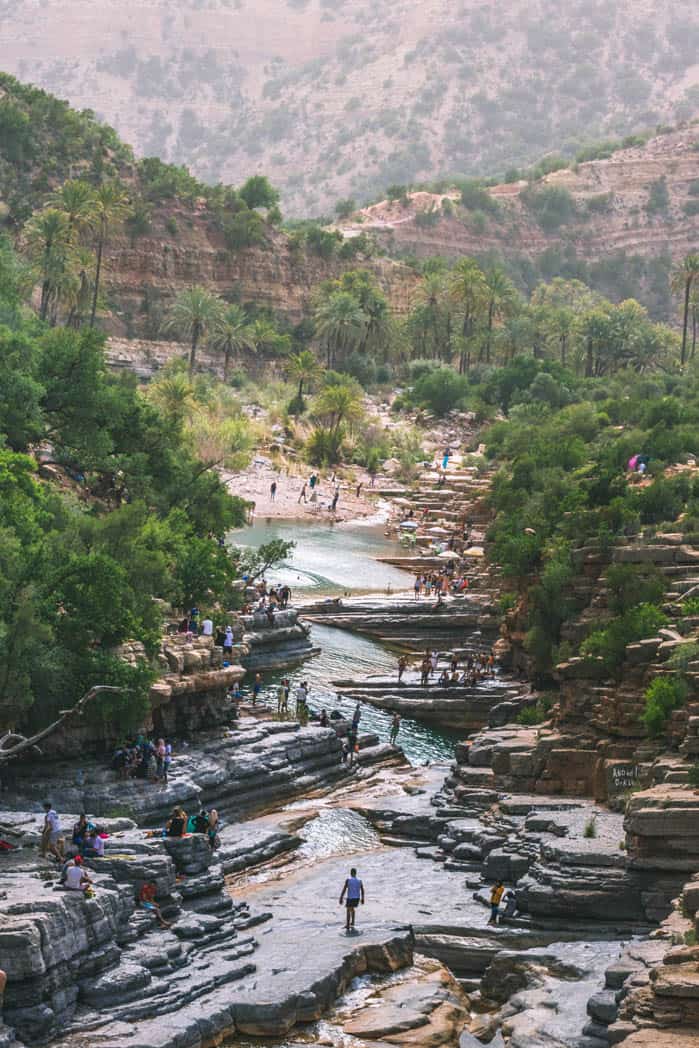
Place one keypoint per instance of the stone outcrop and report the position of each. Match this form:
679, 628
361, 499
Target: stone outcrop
253, 766
272, 646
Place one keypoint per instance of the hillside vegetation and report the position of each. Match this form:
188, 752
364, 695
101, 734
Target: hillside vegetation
343, 97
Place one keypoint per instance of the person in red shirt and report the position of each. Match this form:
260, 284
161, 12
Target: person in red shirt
146, 898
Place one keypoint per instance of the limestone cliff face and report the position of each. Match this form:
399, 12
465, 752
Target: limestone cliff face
144, 274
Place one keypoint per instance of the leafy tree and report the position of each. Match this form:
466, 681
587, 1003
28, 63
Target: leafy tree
345, 208
254, 563
257, 192
440, 390
50, 248
195, 313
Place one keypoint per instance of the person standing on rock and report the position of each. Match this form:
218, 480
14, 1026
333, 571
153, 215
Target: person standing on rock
417, 586
353, 890
256, 688
402, 667
302, 496
273, 490
395, 728
495, 897
51, 833
228, 641
434, 659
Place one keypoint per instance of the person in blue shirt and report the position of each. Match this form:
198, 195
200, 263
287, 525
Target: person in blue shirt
353, 890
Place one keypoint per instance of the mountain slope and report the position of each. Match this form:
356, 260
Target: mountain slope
340, 97
618, 222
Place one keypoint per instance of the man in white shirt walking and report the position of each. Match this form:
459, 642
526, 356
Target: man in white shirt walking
207, 628
51, 833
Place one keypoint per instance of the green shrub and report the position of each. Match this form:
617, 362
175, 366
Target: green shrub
634, 625
440, 390
590, 829
693, 776
690, 606
506, 602
553, 206
662, 696
630, 585
535, 714
324, 446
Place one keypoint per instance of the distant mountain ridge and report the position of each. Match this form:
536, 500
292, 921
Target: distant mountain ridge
338, 98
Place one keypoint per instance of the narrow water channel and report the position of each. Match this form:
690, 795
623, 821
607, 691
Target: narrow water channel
337, 559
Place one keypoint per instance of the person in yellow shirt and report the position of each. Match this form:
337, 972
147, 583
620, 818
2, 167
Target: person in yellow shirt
495, 897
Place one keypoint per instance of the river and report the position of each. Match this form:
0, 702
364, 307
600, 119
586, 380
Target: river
330, 559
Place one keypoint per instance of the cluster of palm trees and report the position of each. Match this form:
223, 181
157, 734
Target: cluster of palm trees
65, 242
351, 315
203, 317
472, 314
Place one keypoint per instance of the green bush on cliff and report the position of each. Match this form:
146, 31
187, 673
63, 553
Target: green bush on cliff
631, 584
635, 624
661, 697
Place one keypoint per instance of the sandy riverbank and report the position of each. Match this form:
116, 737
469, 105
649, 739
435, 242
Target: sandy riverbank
255, 482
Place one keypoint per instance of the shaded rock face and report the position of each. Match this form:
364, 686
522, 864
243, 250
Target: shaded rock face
256, 765
188, 696
662, 829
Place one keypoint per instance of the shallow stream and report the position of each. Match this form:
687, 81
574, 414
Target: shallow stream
330, 559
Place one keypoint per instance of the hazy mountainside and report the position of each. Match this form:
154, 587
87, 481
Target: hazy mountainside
343, 97
618, 222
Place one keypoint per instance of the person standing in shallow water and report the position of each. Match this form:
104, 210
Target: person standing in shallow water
353, 890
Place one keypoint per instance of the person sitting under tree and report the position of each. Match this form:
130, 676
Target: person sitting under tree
353, 890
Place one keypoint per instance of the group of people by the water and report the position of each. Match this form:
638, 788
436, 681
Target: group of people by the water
301, 709
143, 758
476, 667
205, 822
439, 584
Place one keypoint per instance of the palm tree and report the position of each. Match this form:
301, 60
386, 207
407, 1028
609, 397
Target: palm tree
49, 243
302, 368
77, 199
174, 394
111, 205
501, 297
683, 279
232, 334
339, 320
468, 288
340, 403
433, 297
194, 313
265, 340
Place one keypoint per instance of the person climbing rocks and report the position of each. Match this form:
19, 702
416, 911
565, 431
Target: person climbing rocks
495, 897
353, 890
395, 728
273, 490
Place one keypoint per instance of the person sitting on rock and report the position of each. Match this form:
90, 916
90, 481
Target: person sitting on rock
80, 831
177, 823
146, 899
323, 719
510, 900
76, 879
200, 822
495, 897
94, 844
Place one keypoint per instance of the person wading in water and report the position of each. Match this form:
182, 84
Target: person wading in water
354, 890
